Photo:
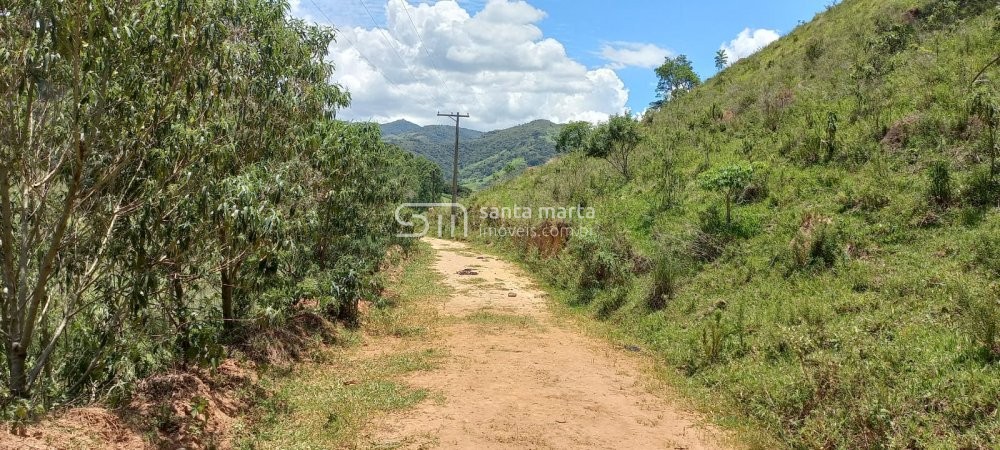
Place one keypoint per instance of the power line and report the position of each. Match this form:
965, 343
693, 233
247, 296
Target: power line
420, 38
388, 40
423, 45
356, 47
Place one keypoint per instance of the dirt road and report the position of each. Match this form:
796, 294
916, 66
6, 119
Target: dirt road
514, 377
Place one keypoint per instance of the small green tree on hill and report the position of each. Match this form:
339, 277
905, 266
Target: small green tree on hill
677, 76
730, 181
616, 141
573, 137
721, 59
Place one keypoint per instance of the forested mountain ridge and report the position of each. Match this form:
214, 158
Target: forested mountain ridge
398, 127
810, 239
483, 157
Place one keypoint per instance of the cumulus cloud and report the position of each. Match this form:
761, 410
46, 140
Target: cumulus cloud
748, 42
496, 65
633, 54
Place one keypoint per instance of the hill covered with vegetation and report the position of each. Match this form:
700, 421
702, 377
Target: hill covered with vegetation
483, 157
398, 127
810, 239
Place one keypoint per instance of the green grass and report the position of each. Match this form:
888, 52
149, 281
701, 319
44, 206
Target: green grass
325, 403
325, 406
878, 336
502, 320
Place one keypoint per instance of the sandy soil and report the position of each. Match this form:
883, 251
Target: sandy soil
532, 382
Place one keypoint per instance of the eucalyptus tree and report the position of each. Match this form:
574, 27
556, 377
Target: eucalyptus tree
354, 224
278, 72
163, 163
126, 124
86, 96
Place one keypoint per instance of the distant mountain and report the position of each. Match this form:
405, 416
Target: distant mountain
483, 157
398, 127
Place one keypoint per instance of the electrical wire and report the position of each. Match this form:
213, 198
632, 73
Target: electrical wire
356, 47
388, 40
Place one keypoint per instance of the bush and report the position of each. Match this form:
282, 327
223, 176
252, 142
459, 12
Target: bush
983, 323
706, 247
867, 200
609, 301
710, 220
981, 189
707, 345
816, 243
665, 277
603, 263
814, 51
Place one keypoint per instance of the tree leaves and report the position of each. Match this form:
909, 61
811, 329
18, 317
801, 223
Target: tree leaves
186, 150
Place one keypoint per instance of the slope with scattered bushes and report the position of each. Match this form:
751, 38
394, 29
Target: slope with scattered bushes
852, 299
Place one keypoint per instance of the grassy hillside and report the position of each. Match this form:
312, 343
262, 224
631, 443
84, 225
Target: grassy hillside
853, 302
483, 157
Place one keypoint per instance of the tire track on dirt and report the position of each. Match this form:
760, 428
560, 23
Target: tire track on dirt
515, 378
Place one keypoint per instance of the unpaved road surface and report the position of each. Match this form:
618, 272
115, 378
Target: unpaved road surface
514, 377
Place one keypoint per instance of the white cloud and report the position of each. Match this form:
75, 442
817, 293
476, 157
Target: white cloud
748, 42
496, 65
634, 54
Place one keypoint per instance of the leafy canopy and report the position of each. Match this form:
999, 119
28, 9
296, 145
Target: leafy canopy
721, 59
573, 137
729, 180
616, 140
677, 76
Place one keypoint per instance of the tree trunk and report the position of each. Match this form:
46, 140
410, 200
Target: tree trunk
228, 318
349, 313
17, 356
226, 275
183, 326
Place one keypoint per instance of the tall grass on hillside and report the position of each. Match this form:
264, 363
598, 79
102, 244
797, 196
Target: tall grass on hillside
851, 301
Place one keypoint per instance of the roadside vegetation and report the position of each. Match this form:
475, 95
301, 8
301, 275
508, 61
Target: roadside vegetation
174, 185
809, 238
327, 402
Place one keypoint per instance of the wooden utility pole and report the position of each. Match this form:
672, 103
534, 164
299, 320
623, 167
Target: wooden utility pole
454, 168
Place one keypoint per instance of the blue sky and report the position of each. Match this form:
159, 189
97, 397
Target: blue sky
692, 28
518, 61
